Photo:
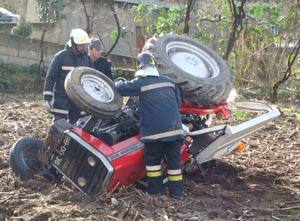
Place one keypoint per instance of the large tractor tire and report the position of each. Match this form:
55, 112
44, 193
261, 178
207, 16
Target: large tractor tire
201, 73
93, 92
23, 157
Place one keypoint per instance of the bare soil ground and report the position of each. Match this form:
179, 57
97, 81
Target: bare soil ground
262, 183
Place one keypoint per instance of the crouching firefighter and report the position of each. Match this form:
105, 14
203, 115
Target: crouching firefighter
74, 55
160, 123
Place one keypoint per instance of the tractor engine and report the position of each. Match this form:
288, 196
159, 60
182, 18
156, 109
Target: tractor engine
122, 126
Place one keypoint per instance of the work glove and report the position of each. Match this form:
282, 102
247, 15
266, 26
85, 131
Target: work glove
48, 106
120, 79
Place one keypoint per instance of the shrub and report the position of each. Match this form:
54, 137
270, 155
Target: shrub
125, 73
15, 78
23, 28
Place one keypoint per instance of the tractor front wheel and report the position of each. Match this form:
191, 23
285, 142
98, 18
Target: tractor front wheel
93, 92
23, 157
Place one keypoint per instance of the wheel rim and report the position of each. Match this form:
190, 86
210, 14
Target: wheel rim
192, 60
97, 88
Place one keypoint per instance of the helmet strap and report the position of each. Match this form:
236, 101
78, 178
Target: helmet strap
74, 46
72, 41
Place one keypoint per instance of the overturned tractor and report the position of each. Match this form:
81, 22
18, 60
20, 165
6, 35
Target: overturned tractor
103, 151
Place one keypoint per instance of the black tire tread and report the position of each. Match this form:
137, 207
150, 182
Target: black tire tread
17, 161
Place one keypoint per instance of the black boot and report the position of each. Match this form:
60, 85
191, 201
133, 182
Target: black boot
175, 188
155, 185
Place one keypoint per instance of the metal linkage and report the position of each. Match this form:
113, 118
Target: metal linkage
227, 142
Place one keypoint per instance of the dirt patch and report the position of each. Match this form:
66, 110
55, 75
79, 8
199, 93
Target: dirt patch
262, 183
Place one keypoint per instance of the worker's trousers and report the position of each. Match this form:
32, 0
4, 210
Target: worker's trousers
154, 153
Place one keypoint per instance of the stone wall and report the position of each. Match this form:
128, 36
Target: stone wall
25, 51
104, 23
58, 34
74, 17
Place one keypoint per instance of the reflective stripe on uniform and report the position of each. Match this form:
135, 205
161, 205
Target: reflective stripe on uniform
67, 68
175, 178
157, 85
163, 135
174, 172
153, 168
48, 93
153, 173
174, 175
59, 111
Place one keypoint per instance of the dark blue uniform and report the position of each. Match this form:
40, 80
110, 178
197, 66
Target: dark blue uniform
103, 65
160, 128
54, 90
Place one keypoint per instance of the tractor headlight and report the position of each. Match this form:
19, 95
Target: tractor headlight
91, 161
81, 181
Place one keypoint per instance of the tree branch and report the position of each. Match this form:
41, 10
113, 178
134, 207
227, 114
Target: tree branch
238, 15
87, 17
210, 20
189, 8
42, 63
118, 29
287, 73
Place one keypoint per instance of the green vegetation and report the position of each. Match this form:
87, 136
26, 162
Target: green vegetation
50, 10
125, 73
15, 78
259, 58
291, 112
240, 115
23, 28
157, 19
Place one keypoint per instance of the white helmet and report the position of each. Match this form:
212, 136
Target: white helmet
79, 36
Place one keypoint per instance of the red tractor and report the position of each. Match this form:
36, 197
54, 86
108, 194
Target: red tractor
103, 150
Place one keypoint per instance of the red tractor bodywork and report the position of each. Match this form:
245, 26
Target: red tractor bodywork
127, 156
222, 110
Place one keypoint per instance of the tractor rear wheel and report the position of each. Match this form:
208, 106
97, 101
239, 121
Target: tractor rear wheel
201, 73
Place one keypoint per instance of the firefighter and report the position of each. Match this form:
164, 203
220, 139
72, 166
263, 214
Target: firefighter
100, 63
74, 55
160, 124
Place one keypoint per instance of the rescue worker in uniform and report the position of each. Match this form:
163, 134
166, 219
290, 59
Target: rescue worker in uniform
160, 123
100, 63
74, 55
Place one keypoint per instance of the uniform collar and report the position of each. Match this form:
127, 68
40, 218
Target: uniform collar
147, 71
